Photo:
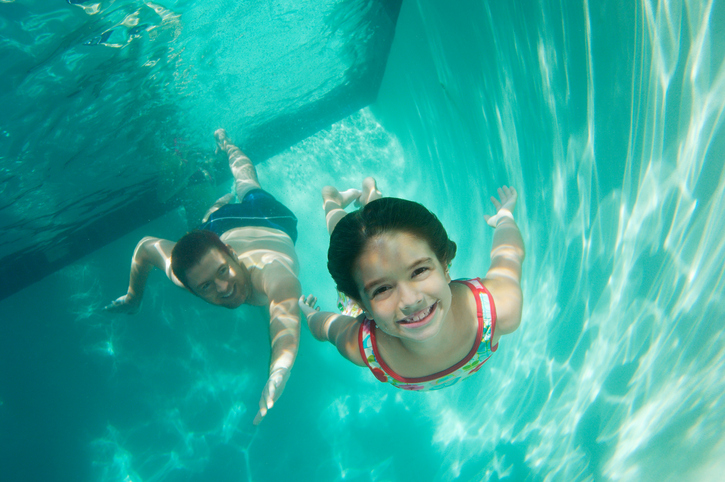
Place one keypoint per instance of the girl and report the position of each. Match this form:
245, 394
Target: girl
414, 328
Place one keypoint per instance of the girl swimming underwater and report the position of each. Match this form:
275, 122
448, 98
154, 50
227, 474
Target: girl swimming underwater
403, 317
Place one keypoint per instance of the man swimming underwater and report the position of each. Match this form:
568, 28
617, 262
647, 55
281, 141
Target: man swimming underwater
243, 253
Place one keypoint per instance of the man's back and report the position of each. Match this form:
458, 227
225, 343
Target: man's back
257, 246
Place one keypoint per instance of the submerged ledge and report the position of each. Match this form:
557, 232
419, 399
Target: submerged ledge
72, 210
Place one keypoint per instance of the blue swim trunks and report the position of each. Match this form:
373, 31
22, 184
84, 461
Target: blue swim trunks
258, 208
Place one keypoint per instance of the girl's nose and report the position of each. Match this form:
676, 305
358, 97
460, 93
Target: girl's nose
409, 297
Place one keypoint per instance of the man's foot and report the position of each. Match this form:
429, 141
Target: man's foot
221, 139
369, 192
349, 196
341, 199
222, 201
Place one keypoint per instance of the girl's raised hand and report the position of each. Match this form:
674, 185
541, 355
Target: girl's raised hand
505, 207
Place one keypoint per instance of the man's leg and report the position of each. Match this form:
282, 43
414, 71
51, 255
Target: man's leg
335, 201
334, 204
222, 201
369, 192
245, 175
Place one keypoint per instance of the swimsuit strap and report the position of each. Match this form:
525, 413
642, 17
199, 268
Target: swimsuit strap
486, 317
366, 344
485, 307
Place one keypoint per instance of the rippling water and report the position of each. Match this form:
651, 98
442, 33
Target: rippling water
607, 119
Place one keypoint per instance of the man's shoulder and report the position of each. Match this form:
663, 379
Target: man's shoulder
276, 278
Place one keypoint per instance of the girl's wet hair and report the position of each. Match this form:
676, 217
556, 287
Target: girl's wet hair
384, 215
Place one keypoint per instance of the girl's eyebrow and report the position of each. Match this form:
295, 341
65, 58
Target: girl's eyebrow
417, 263
368, 286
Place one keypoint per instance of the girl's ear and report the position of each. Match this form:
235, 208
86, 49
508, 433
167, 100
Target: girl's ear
447, 272
367, 312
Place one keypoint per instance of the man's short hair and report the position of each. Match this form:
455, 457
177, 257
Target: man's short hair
189, 250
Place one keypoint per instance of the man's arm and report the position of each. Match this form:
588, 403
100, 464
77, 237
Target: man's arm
282, 289
149, 252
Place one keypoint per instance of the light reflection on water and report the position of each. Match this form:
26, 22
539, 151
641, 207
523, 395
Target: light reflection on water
616, 372
638, 394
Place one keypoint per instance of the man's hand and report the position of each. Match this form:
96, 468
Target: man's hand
127, 304
272, 391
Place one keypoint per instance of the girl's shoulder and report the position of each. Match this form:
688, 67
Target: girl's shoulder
508, 301
465, 300
468, 288
493, 287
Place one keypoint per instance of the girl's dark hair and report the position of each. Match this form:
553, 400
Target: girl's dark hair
189, 250
388, 214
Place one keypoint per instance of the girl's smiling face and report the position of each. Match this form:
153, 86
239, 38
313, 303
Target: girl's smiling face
403, 286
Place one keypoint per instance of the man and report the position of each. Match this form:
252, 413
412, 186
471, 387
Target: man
243, 253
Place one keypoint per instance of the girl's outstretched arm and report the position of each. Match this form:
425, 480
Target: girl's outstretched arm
507, 252
507, 255
340, 330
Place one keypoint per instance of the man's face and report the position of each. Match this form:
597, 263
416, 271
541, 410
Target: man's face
218, 278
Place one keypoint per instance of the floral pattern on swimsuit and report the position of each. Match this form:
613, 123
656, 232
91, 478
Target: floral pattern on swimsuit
347, 305
479, 354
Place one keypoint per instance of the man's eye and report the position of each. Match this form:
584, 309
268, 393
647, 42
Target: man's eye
205, 286
223, 269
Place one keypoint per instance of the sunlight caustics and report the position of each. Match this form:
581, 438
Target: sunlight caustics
603, 382
607, 119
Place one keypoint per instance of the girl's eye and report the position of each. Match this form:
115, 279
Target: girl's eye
420, 271
379, 291
205, 286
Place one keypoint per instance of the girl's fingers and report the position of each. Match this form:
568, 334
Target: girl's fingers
309, 300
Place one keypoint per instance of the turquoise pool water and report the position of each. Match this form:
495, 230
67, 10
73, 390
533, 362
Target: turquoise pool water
607, 119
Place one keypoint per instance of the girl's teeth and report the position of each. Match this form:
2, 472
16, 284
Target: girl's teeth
418, 317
